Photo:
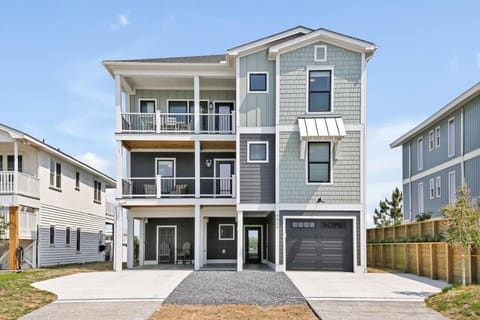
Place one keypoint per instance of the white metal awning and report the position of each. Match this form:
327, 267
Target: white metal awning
321, 128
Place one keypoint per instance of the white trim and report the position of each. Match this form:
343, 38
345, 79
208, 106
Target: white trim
355, 266
149, 262
419, 152
237, 125
175, 241
266, 151
220, 261
255, 207
431, 189
139, 102
215, 160
246, 130
261, 240
451, 149
220, 225
420, 200
438, 188
162, 150
319, 207
437, 137
266, 81
166, 159
119, 137
431, 140
316, 58
332, 87
330, 182
452, 197
294, 127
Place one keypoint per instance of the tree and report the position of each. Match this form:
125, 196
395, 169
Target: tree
463, 228
3, 229
390, 211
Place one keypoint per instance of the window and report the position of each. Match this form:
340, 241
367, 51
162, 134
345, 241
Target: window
452, 188
147, 106
320, 53
420, 198
437, 137
181, 106
52, 235
431, 140
439, 187
303, 224
78, 239
257, 82
432, 189
319, 91
97, 191
420, 153
165, 167
257, 151
55, 174
318, 162
77, 180
226, 232
11, 163
451, 137
67, 236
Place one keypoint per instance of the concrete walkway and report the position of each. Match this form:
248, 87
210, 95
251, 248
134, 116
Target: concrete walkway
338, 295
108, 295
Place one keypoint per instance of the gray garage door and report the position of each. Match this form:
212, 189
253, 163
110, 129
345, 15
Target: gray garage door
324, 245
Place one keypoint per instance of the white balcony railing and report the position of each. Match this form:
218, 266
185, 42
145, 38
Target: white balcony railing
27, 225
178, 187
211, 123
19, 183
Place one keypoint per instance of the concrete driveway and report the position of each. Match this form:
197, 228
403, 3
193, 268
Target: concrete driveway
338, 295
133, 294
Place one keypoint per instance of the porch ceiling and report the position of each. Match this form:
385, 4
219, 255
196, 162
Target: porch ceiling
218, 145
133, 144
184, 83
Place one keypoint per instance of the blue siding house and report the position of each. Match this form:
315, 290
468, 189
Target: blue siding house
441, 154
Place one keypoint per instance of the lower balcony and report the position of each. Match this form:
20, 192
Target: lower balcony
178, 187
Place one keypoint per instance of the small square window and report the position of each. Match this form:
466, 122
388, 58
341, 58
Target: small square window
258, 82
257, 151
320, 53
226, 232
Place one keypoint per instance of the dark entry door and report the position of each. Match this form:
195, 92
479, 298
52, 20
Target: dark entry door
253, 244
325, 245
166, 244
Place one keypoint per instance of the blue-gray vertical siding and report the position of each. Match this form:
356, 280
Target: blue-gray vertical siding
472, 127
405, 168
257, 180
472, 176
406, 202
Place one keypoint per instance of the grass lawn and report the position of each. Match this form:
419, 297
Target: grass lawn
18, 297
233, 312
457, 302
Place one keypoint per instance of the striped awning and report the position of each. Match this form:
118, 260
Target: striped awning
321, 128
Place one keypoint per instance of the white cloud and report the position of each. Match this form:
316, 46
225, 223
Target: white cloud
122, 21
94, 161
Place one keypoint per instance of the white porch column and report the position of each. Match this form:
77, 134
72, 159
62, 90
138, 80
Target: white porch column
15, 165
119, 168
197, 169
141, 251
118, 238
198, 238
118, 104
130, 222
239, 240
196, 103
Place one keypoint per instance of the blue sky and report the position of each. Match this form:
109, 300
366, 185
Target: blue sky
54, 87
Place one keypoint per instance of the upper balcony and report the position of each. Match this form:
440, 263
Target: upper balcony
18, 183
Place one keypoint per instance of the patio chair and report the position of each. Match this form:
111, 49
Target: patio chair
179, 189
164, 253
185, 254
150, 189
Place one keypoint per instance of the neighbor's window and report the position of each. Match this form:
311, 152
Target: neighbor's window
67, 235
420, 198
257, 82
431, 140
52, 235
420, 153
97, 191
257, 151
451, 137
439, 186
147, 106
77, 180
432, 189
452, 188
319, 91
78, 239
318, 162
11, 163
226, 232
437, 137
55, 174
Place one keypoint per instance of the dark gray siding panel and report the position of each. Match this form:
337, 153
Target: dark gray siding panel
215, 246
472, 129
185, 232
257, 180
143, 163
319, 214
271, 237
472, 174
206, 185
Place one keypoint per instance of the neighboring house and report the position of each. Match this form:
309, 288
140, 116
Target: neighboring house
55, 205
253, 156
441, 154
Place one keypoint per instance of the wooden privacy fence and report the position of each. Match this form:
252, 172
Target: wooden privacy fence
405, 248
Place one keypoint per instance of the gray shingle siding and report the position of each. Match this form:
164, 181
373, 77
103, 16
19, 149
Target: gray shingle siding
346, 172
346, 82
257, 180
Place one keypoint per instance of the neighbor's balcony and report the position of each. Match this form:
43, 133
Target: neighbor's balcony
173, 123
178, 187
12, 182
27, 223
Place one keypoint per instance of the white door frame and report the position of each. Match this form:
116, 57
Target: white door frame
262, 260
174, 244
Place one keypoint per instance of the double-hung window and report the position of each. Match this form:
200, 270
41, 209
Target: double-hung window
318, 168
431, 140
67, 236
319, 91
437, 137
55, 174
420, 153
11, 163
432, 189
97, 191
78, 240
52, 235
439, 186
451, 137
452, 188
147, 106
420, 198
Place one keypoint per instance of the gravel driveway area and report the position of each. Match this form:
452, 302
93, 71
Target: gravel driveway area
226, 287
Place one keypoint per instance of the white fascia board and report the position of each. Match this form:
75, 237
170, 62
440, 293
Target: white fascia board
450, 107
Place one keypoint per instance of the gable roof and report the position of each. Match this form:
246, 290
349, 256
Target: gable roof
17, 134
453, 105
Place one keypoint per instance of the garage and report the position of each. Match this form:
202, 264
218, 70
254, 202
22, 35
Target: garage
319, 244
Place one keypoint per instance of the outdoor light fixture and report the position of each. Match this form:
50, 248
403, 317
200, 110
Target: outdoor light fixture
208, 163
319, 200
210, 106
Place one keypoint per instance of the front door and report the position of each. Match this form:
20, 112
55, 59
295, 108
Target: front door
252, 244
166, 245
223, 122
224, 169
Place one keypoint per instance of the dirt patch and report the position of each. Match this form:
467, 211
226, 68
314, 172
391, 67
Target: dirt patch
233, 312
